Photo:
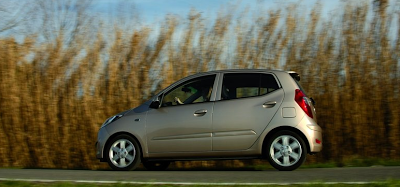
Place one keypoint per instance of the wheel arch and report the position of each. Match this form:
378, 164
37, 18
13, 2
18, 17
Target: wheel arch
123, 133
281, 128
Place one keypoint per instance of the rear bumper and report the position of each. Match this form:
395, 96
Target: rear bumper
313, 133
316, 142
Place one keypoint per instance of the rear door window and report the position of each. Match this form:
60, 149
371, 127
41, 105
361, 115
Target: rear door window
242, 85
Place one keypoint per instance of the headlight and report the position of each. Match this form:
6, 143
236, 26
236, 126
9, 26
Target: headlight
110, 120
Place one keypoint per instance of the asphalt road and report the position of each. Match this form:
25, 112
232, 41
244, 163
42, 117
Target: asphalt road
358, 174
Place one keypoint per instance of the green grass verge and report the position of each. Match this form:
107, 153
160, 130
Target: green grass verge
389, 183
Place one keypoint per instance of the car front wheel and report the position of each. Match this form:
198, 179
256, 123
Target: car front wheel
286, 151
123, 153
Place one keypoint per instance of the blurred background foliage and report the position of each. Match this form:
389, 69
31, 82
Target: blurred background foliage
59, 83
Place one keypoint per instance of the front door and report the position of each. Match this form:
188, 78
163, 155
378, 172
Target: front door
183, 123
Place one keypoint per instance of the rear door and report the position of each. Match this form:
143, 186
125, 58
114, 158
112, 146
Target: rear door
248, 102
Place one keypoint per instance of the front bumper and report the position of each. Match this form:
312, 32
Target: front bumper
102, 137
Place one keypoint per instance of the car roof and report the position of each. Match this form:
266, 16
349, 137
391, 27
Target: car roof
245, 71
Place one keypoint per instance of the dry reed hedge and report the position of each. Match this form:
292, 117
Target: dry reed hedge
54, 96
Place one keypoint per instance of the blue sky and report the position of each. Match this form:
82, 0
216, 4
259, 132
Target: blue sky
153, 10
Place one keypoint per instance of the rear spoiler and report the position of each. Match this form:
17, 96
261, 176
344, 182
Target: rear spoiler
294, 75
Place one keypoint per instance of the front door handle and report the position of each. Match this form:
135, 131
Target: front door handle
199, 113
269, 104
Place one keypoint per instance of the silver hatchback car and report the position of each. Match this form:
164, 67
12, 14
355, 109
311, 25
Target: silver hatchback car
228, 114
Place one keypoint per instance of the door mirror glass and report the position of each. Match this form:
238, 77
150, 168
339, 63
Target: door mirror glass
155, 104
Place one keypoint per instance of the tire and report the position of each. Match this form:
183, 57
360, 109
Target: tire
286, 150
156, 166
123, 153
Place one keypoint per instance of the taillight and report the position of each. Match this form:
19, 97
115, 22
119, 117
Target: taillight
303, 102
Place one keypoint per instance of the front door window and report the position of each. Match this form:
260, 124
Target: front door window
193, 91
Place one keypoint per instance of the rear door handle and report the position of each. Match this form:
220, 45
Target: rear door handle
269, 104
199, 113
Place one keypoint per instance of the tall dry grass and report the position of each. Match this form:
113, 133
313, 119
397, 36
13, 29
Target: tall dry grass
54, 96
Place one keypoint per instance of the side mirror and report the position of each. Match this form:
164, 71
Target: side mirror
155, 104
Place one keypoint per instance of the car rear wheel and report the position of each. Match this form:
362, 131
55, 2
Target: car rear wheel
156, 166
286, 151
123, 153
